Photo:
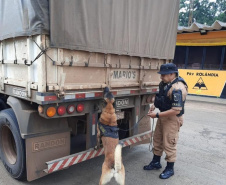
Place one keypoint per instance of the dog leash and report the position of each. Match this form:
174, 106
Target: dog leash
152, 131
137, 123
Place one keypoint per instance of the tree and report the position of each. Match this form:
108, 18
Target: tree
204, 11
183, 13
221, 10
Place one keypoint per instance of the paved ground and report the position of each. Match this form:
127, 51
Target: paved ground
213, 100
201, 155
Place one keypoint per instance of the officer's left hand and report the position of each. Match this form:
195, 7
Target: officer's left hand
152, 114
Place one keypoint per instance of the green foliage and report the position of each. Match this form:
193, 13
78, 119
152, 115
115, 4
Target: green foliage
204, 11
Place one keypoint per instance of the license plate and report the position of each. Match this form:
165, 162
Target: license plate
120, 115
122, 102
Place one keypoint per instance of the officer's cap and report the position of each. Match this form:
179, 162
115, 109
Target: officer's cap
168, 69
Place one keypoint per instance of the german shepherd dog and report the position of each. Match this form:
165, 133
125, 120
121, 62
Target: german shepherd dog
112, 166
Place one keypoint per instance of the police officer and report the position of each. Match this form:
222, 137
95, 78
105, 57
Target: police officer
170, 101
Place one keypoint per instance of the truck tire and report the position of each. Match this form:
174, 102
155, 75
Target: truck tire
12, 146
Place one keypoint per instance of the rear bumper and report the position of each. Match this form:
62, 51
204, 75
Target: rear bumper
65, 162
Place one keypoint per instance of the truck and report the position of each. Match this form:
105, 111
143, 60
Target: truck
56, 57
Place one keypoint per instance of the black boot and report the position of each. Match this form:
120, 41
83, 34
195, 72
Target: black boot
168, 172
154, 164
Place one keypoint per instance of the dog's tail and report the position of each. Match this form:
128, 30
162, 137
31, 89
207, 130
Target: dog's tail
118, 157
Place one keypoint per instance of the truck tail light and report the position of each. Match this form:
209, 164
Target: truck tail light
51, 111
61, 110
80, 108
70, 109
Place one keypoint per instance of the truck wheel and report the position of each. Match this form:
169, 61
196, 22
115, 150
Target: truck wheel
12, 146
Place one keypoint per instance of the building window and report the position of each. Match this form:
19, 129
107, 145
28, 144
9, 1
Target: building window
179, 58
224, 62
195, 57
213, 57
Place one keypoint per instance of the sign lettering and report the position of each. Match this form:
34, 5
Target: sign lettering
204, 82
124, 74
44, 145
122, 102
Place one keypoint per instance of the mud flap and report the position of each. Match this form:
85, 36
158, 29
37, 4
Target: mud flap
41, 149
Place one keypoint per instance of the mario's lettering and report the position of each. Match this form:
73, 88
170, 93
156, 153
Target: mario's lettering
124, 74
190, 74
207, 74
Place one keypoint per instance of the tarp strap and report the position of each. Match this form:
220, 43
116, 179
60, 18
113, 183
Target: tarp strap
15, 61
43, 51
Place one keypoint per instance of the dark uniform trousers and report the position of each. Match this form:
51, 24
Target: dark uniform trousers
166, 136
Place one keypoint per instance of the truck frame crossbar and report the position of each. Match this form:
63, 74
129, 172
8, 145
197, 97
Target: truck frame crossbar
44, 98
65, 162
